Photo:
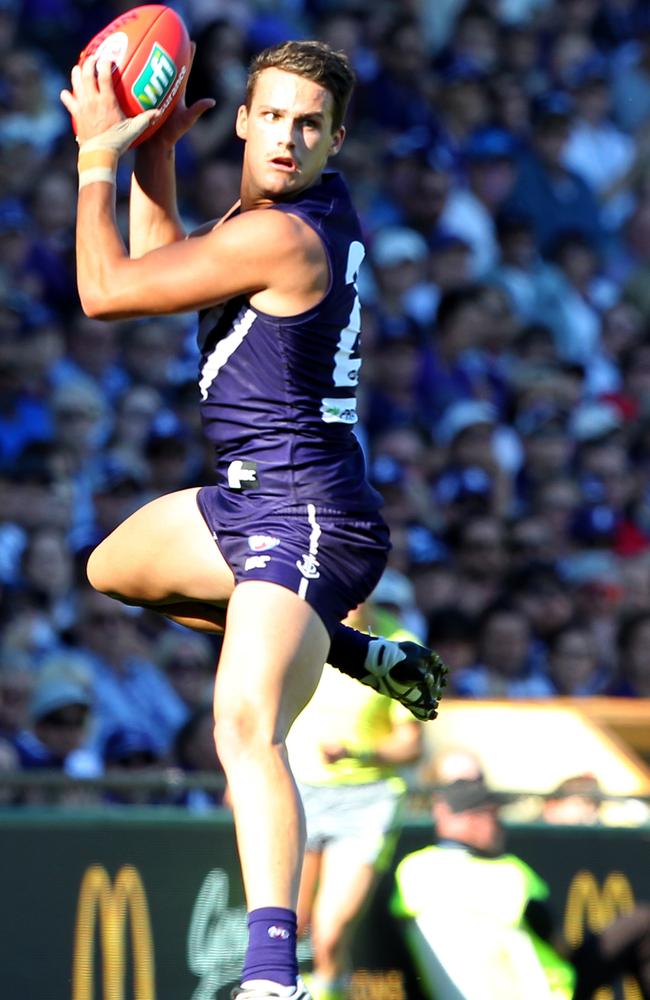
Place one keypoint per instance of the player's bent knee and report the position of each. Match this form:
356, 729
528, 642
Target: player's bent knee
238, 735
102, 575
98, 571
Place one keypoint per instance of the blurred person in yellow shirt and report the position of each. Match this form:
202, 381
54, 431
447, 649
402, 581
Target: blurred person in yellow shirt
349, 750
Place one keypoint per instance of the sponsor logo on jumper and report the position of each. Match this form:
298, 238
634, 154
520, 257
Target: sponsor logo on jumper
339, 411
278, 932
308, 566
256, 562
113, 49
155, 80
242, 475
262, 543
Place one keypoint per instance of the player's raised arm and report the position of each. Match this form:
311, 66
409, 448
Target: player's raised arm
154, 220
258, 252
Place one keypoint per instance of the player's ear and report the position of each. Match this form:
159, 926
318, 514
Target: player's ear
337, 140
241, 123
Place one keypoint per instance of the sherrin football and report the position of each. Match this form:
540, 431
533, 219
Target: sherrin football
150, 49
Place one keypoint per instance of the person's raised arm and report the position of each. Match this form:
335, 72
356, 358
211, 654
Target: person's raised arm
154, 220
260, 251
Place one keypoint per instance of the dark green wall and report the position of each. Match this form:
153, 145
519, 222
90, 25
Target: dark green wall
44, 855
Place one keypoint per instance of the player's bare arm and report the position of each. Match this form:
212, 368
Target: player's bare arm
274, 258
264, 253
154, 220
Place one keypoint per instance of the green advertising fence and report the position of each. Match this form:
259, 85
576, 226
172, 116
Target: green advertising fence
147, 904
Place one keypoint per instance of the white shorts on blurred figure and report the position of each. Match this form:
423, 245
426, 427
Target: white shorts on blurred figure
358, 820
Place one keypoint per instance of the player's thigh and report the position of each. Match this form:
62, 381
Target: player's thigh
162, 552
271, 660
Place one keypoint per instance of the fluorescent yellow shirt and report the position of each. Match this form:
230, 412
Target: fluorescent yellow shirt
342, 711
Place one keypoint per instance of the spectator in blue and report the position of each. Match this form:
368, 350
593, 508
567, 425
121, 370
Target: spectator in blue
128, 749
633, 645
532, 283
550, 195
478, 543
61, 717
24, 415
574, 666
631, 82
92, 351
546, 598
448, 374
505, 659
462, 108
194, 753
598, 150
583, 295
17, 681
398, 98
489, 161
129, 689
188, 659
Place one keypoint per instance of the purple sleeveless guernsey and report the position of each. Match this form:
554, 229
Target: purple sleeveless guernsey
278, 394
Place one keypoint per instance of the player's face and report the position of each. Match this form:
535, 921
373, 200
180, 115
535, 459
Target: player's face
288, 134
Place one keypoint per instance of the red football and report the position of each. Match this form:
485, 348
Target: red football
150, 49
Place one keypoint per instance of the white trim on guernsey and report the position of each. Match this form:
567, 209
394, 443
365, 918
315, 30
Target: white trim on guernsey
225, 348
308, 565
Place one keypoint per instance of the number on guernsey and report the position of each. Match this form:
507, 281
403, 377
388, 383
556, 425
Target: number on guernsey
346, 359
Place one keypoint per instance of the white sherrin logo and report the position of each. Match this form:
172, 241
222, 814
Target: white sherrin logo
113, 49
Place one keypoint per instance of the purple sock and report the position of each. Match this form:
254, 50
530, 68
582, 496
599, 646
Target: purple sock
348, 651
271, 952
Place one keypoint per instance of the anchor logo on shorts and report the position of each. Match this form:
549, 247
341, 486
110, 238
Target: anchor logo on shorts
308, 566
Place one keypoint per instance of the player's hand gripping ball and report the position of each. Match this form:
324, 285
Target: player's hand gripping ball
150, 50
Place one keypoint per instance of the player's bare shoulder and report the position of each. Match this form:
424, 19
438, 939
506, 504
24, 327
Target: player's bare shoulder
283, 249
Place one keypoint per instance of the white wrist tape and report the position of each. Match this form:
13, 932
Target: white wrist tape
98, 156
96, 165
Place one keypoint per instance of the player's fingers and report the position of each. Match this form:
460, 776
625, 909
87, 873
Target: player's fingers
140, 123
69, 102
75, 79
105, 76
88, 79
199, 108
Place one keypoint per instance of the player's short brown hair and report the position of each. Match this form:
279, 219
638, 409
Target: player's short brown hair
313, 60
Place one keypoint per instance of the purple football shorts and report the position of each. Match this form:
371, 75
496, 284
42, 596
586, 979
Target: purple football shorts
331, 558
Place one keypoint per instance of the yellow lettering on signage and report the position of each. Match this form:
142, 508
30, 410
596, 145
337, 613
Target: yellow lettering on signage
591, 908
114, 905
387, 985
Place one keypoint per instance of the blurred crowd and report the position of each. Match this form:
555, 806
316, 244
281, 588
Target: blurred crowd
499, 156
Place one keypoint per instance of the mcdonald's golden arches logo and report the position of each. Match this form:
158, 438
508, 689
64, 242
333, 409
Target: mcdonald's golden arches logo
115, 905
591, 908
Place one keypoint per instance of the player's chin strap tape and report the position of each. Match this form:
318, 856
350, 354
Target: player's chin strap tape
98, 156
